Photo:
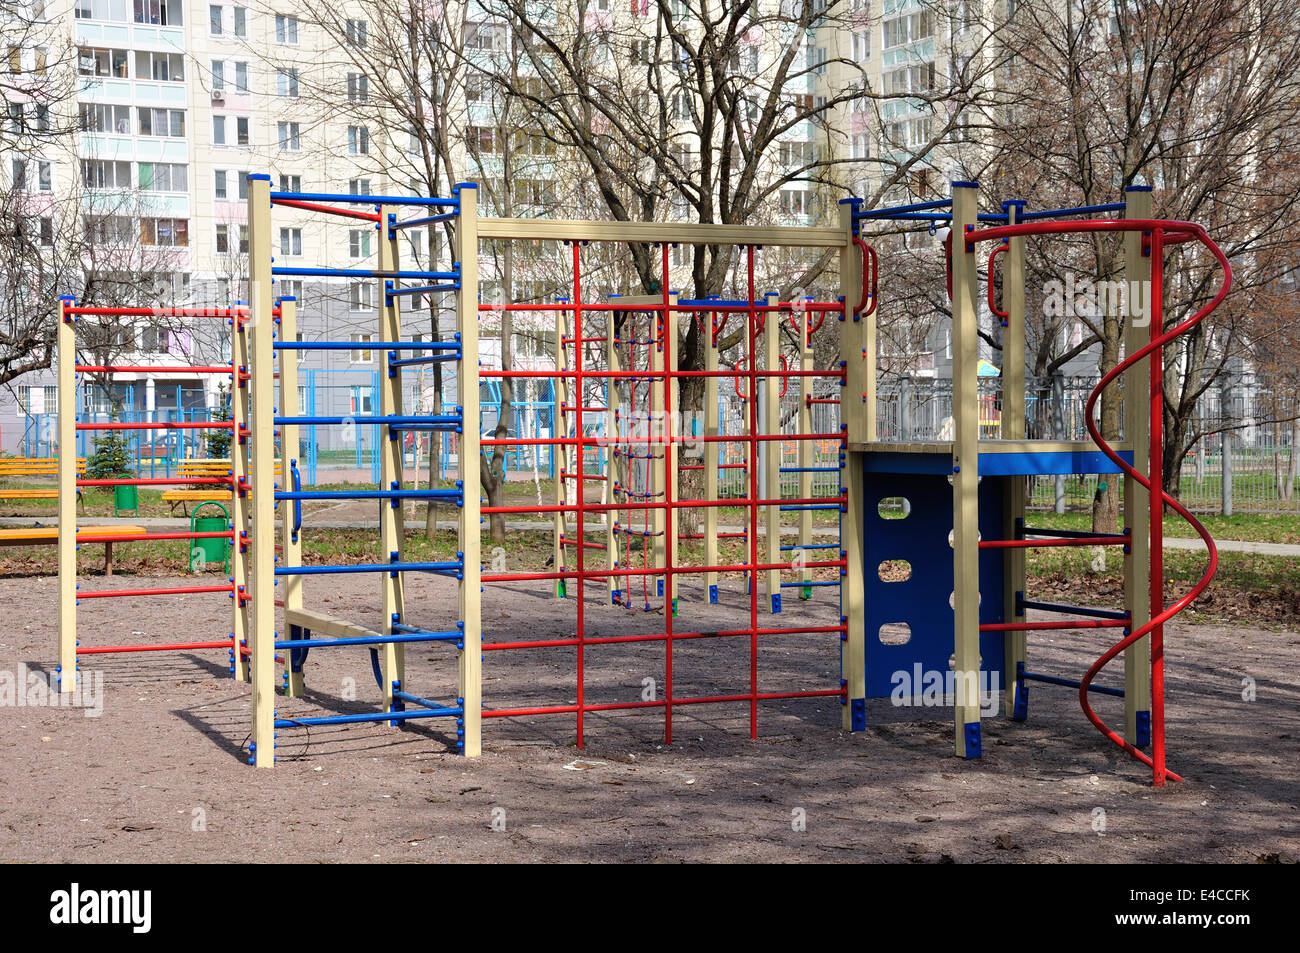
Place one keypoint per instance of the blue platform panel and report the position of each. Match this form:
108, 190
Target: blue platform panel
1000, 463
921, 601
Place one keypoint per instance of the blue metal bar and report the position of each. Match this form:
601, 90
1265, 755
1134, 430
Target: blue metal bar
914, 217
428, 220
362, 640
416, 630
917, 207
786, 549
1070, 533
1069, 683
445, 428
800, 585
350, 199
810, 469
992, 217
415, 699
430, 494
1072, 610
369, 716
441, 568
419, 290
297, 504
371, 419
438, 359
810, 506
362, 273
1067, 212
368, 345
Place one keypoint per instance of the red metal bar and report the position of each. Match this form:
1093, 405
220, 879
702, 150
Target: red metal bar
163, 647
1035, 543
158, 481
137, 593
142, 369
679, 504
993, 305
1068, 624
328, 209
581, 495
645, 375
752, 388
159, 312
149, 537
870, 266
659, 637
753, 698
162, 425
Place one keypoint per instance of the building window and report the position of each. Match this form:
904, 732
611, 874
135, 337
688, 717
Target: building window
290, 136
361, 297
286, 82
358, 88
362, 355
163, 177
291, 241
168, 232
96, 62
359, 242
219, 183
358, 141
161, 67
95, 117
356, 32
241, 131
214, 20
162, 122
241, 77
218, 130
290, 183
358, 186
286, 30
223, 240
241, 22
218, 74
105, 174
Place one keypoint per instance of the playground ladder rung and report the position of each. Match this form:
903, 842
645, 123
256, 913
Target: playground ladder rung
369, 716
1068, 683
1060, 607
367, 640
448, 569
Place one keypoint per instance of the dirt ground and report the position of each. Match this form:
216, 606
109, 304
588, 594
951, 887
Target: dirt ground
161, 774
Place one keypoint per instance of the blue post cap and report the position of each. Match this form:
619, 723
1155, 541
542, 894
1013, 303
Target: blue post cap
1137, 188
960, 184
467, 185
259, 175
851, 200
1018, 204
288, 298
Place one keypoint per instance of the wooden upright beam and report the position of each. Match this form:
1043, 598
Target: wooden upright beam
857, 395
391, 530
1015, 644
470, 597
66, 342
965, 475
261, 446
804, 448
290, 542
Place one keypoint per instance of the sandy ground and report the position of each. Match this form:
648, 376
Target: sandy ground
161, 774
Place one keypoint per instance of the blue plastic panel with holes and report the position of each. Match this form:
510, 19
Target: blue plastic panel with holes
922, 601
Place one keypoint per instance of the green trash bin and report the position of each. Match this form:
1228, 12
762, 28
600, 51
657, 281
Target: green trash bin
126, 497
212, 549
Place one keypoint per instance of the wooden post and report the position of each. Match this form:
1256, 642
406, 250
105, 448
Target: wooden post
965, 475
771, 449
392, 604
241, 560
290, 542
858, 423
467, 382
1137, 502
261, 444
67, 397
1013, 428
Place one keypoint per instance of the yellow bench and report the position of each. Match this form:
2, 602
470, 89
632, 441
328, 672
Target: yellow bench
183, 497
34, 466
49, 535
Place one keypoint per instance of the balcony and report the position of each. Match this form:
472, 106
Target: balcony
139, 36
125, 147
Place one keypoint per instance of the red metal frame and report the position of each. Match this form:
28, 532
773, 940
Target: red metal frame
1159, 232
664, 500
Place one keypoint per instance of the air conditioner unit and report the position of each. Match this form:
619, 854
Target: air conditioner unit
218, 95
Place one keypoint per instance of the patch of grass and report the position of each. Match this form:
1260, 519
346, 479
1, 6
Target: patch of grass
1251, 527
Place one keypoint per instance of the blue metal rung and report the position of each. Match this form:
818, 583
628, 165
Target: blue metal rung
390, 419
804, 585
417, 700
794, 546
1069, 533
447, 569
897, 209
1067, 212
369, 716
420, 289
435, 359
1069, 683
810, 469
430, 494
363, 273
367, 345
348, 198
366, 640
1023, 604
810, 506
427, 220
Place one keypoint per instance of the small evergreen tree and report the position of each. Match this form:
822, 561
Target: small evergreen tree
217, 442
112, 457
